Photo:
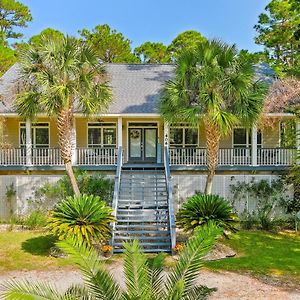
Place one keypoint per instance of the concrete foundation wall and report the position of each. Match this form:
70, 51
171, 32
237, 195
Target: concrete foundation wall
184, 185
24, 186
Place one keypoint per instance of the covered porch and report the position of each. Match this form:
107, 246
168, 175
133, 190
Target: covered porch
142, 138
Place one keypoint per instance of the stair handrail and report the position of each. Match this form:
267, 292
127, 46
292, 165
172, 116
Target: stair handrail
117, 187
170, 197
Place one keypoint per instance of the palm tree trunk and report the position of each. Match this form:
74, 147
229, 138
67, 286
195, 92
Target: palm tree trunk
65, 128
213, 144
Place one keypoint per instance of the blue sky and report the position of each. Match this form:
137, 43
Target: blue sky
140, 21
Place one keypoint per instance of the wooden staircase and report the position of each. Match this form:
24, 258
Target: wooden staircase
142, 210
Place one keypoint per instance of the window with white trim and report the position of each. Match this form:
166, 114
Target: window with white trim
242, 138
39, 134
102, 135
182, 135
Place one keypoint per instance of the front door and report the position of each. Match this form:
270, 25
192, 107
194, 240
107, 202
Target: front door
142, 145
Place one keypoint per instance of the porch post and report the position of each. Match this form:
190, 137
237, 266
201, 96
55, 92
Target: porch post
28, 143
74, 143
166, 140
120, 137
254, 146
298, 143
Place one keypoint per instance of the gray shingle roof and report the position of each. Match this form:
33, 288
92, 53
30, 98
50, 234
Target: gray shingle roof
136, 87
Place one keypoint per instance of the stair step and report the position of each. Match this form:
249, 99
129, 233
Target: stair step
156, 244
142, 221
143, 232
141, 211
126, 201
140, 226
158, 250
146, 238
134, 207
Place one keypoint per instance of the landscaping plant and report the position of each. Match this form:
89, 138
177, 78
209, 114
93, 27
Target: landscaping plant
143, 280
262, 200
46, 196
83, 217
62, 75
201, 209
215, 84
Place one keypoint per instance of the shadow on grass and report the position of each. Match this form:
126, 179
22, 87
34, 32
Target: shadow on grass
39, 245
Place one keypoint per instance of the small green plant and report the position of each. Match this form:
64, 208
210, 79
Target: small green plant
201, 209
10, 197
248, 221
36, 219
84, 217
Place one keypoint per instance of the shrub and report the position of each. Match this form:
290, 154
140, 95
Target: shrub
83, 217
46, 196
266, 198
200, 209
35, 219
248, 221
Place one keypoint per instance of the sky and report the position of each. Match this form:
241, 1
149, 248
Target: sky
155, 21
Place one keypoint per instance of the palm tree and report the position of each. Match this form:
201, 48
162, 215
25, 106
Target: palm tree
142, 281
61, 75
215, 84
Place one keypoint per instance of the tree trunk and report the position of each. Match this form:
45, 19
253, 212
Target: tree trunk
213, 144
71, 175
65, 129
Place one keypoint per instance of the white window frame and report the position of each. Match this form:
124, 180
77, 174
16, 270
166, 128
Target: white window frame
101, 127
248, 138
34, 126
184, 127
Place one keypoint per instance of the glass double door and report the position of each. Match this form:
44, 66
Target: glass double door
142, 144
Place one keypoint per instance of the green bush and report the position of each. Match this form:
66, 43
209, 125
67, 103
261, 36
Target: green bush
248, 221
200, 209
266, 199
36, 219
46, 196
83, 217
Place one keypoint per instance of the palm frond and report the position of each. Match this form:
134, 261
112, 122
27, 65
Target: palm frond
190, 260
103, 286
25, 290
99, 281
136, 272
84, 256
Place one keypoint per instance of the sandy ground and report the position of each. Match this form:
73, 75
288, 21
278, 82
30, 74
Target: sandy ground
229, 285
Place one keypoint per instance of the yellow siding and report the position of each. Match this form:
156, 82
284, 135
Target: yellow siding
270, 137
11, 132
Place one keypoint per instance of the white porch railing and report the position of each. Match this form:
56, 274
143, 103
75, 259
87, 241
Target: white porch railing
233, 156
39, 157
97, 156
12, 156
187, 156
46, 157
276, 156
177, 156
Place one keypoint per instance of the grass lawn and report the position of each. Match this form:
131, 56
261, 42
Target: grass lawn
28, 250
262, 253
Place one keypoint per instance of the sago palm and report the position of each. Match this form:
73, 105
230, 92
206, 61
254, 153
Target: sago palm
201, 209
61, 75
142, 281
216, 85
85, 217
